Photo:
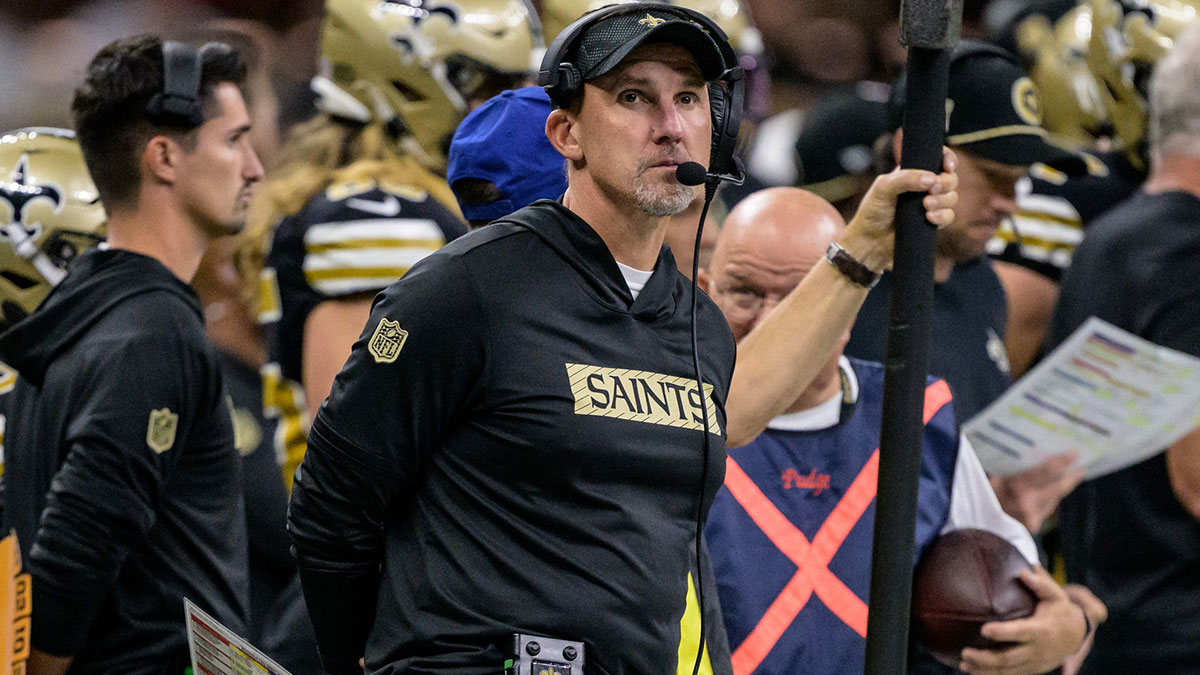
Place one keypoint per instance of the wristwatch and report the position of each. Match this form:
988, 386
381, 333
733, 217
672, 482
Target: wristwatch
851, 268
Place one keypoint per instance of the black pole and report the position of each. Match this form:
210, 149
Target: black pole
929, 28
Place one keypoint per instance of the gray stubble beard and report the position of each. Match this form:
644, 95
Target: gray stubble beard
660, 201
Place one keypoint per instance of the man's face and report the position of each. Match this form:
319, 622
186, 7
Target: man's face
986, 195
754, 268
770, 242
640, 121
216, 177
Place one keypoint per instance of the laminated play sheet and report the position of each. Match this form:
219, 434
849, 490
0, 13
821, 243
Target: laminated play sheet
1112, 396
216, 650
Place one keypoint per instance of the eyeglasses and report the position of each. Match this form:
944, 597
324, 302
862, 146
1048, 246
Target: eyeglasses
746, 300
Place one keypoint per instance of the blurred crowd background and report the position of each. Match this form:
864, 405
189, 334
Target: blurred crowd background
812, 46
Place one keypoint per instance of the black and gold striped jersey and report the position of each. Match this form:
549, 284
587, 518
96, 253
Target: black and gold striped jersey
352, 240
1053, 209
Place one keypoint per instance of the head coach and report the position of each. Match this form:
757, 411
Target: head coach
517, 444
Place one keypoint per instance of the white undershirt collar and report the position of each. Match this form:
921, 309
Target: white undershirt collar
825, 414
634, 278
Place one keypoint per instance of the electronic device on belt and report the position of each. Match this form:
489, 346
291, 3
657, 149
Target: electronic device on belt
540, 655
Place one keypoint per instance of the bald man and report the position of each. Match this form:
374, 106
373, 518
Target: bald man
809, 476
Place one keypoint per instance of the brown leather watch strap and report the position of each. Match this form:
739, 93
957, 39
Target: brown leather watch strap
851, 268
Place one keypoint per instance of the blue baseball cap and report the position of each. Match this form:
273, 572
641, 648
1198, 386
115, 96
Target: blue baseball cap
504, 141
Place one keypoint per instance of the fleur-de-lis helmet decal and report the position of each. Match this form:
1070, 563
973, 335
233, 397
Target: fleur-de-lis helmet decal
50, 213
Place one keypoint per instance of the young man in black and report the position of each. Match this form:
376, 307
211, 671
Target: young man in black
515, 443
123, 482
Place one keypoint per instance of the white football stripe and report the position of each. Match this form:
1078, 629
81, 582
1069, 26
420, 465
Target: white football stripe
374, 228
1054, 206
335, 287
1061, 258
1047, 229
1058, 257
365, 258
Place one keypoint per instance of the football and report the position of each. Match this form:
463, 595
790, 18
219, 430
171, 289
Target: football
965, 579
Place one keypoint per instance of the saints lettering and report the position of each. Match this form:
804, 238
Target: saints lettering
640, 396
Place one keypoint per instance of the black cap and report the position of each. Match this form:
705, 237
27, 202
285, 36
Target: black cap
606, 43
837, 138
994, 110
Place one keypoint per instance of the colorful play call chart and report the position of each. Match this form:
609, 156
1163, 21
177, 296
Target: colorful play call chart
216, 650
1111, 395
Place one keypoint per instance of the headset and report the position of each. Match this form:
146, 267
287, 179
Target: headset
178, 104
726, 95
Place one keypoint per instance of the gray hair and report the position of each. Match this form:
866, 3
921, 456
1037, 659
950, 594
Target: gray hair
1175, 98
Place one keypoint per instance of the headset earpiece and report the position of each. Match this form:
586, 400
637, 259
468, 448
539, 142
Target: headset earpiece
561, 79
725, 99
569, 81
178, 104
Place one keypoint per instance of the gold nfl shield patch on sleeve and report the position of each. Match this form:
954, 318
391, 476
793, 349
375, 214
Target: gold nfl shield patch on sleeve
387, 341
160, 433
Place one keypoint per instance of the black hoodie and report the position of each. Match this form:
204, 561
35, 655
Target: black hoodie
513, 446
122, 480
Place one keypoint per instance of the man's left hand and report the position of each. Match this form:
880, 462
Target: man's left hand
1042, 642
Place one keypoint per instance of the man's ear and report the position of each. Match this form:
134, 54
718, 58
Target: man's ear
161, 158
560, 129
704, 281
897, 141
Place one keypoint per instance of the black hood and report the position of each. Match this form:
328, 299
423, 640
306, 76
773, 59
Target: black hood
584, 250
99, 280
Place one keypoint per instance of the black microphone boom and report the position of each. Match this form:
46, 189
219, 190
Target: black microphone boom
929, 28
691, 173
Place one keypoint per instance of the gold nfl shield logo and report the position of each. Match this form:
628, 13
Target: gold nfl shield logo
387, 341
160, 433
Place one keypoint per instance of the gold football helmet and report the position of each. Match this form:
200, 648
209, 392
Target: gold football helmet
50, 212
733, 16
421, 65
558, 14
1127, 38
1072, 105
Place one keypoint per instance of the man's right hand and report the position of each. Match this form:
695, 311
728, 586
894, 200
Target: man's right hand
1031, 496
1097, 613
870, 235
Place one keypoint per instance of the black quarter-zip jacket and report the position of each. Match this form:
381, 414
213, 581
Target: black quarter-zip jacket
122, 479
513, 446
